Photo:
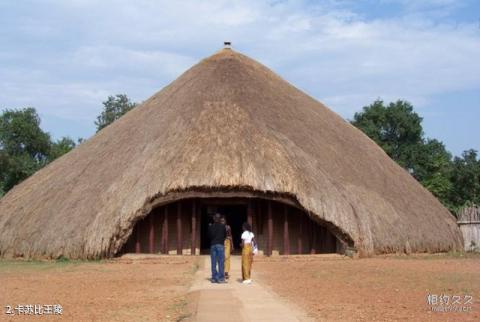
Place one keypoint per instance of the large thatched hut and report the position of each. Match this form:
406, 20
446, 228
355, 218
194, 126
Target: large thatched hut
228, 135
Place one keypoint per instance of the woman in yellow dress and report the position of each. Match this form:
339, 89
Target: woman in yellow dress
228, 247
248, 239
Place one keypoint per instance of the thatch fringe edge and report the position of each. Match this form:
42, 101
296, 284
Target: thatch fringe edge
115, 244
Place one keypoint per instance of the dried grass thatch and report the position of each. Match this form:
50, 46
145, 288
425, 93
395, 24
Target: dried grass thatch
228, 123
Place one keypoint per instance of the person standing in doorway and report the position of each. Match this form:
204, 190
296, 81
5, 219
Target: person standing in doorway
217, 234
247, 252
228, 247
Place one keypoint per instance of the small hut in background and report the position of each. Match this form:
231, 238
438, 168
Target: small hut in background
469, 223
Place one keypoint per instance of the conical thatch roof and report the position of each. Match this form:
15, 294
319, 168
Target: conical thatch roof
226, 123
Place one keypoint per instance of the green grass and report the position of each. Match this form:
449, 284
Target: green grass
195, 267
42, 265
179, 308
449, 255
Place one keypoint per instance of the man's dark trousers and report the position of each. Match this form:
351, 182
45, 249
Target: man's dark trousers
217, 255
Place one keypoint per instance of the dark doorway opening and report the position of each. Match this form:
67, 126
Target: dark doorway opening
206, 220
235, 215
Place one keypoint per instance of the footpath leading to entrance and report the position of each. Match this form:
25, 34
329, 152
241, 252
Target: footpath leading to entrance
235, 301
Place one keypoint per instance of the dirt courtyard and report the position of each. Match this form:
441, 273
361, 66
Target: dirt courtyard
327, 288
391, 288
149, 289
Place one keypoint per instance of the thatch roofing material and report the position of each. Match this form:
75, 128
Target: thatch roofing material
226, 123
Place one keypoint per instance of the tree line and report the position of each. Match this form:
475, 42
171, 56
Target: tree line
396, 127
25, 147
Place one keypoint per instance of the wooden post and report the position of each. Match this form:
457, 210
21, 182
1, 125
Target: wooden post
270, 229
323, 235
300, 231
199, 228
313, 236
179, 229
194, 227
286, 238
250, 213
137, 238
151, 233
165, 230
260, 215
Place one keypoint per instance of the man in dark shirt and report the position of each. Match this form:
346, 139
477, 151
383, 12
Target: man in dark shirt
217, 234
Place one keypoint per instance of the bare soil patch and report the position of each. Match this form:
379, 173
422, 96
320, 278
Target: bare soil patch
390, 288
126, 289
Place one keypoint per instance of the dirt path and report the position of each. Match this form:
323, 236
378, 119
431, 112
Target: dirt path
236, 301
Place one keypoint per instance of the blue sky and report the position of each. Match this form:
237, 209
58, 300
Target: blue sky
65, 57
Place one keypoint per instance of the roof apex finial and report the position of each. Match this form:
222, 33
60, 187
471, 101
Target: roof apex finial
227, 44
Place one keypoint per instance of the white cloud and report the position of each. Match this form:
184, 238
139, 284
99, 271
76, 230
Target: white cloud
70, 55
153, 63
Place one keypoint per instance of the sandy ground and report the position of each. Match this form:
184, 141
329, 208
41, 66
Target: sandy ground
237, 302
327, 288
149, 289
393, 288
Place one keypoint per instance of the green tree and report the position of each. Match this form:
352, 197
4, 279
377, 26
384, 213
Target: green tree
396, 128
61, 147
113, 108
465, 178
24, 147
433, 167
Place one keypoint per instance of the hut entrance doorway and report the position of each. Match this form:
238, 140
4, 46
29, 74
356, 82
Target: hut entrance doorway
235, 214
181, 227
